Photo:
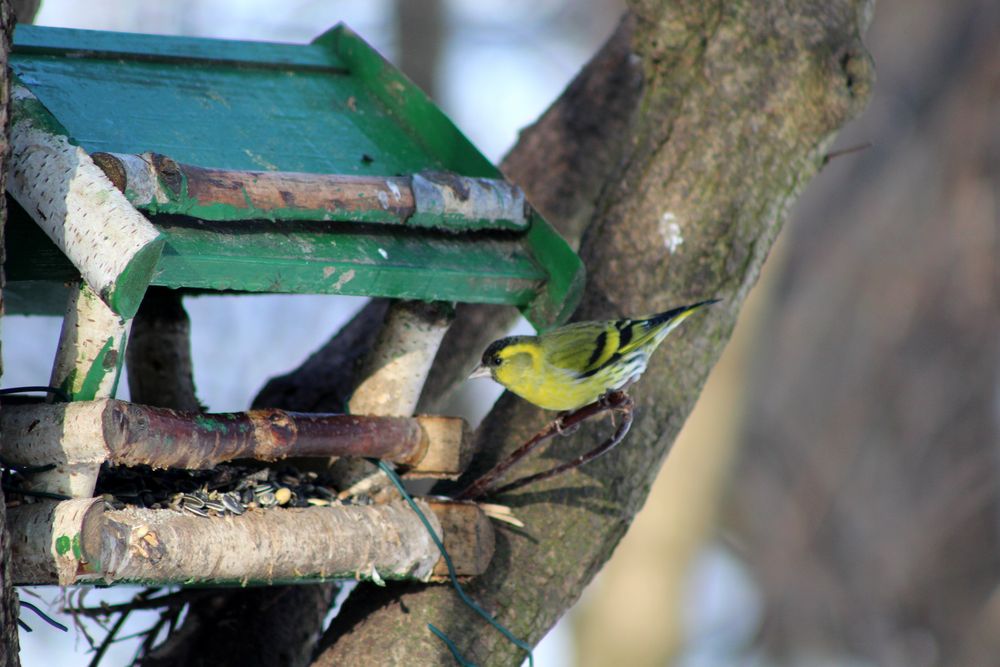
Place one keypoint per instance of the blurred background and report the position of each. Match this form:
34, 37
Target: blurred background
833, 499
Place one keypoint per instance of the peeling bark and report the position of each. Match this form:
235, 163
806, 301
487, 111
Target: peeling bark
78, 541
81, 436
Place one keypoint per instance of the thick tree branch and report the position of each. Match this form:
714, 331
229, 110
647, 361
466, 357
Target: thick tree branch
739, 102
158, 356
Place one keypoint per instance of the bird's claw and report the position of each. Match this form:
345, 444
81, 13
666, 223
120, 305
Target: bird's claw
560, 427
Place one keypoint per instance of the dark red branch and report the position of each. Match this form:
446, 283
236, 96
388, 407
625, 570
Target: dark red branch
617, 401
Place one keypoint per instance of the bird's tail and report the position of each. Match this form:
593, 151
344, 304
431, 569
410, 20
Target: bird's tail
669, 319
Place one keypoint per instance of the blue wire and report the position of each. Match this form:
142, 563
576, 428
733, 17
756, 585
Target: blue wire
387, 469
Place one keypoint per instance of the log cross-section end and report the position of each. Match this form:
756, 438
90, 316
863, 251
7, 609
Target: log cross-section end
468, 538
449, 448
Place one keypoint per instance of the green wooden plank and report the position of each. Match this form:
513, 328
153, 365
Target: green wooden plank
565, 272
439, 136
225, 117
29, 39
408, 104
335, 258
293, 258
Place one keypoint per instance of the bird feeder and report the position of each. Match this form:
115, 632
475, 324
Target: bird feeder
240, 167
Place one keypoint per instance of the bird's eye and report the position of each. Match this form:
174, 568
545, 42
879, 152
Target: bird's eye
495, 360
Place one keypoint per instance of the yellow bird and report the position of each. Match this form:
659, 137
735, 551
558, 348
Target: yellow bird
574, 365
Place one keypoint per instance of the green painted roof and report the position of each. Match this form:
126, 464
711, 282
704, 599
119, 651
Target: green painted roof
330, 107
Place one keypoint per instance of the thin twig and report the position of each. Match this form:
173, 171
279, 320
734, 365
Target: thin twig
170, 600
151, 634
77, 617
615, 401
598, 451
35, 494
108, 639
845, 151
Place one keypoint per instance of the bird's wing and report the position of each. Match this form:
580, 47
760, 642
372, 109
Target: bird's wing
581, 347
585, 348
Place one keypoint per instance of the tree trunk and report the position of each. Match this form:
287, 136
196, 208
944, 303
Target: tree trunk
872, 422
736, 108
9, 608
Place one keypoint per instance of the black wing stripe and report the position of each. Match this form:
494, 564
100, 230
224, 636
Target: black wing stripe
594, 371
624, 332
602, 340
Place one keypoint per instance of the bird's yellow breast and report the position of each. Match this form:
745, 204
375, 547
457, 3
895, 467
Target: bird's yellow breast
527, 373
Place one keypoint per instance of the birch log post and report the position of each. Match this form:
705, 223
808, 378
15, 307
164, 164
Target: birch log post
392, 378
112, 245
91, 348
396, 368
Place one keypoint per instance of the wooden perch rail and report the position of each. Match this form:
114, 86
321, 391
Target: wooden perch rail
78, 437
159, 184
78, 541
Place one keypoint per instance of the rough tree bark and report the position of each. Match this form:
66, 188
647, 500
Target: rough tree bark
158, 356
737, 105
9, 646
9, 608
677, 149
872, 421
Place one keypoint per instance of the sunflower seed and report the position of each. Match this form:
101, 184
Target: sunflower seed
195, 510
232, 503
215, 505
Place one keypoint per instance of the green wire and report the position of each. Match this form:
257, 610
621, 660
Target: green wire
451, 647
387, 469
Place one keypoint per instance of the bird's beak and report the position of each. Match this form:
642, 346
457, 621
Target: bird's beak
479, 371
